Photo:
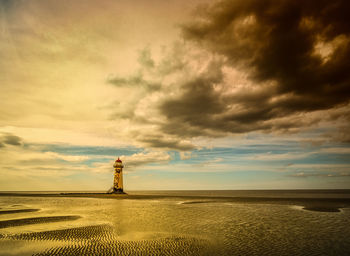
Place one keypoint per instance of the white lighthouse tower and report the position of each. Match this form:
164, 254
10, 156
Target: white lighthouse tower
118, 177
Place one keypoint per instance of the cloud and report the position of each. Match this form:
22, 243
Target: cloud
144, 158
290, 33
10, 139
185, 155
32, 157
166, 143
294, 58
217, 79
244, 66
33, 167
156, 114
145, 58
136, 80
68, 158
40, 135
268, 156
320, 175
336, 150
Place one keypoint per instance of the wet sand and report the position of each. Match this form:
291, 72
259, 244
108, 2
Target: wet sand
37, 220
18, 211
163, 224
322, 209
104, 240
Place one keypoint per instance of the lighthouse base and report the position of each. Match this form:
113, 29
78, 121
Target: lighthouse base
117, 191
113, 190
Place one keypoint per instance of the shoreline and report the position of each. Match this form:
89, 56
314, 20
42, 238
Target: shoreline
308, 203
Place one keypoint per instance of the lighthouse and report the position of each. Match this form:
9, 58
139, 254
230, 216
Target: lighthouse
118, 177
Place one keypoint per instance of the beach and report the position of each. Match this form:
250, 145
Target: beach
176, 223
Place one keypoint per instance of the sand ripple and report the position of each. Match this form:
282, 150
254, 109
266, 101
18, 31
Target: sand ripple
103, 240
101, 232
18, 211
167, 246
36, 220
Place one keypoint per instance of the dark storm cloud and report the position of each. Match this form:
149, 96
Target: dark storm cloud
9, 139
276, 41
199, 98
295, 54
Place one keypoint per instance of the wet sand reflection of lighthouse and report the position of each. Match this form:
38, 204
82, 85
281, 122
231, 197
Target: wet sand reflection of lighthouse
118, 177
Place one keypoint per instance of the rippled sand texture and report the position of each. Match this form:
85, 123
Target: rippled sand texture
37, 220
100, 239
169, 226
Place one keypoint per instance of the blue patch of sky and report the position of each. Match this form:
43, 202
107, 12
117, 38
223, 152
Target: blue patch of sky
241, 155
275, 161
95, 154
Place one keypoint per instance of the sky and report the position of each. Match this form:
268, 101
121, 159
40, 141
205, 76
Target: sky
202, 95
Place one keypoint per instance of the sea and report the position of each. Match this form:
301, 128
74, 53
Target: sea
246, 222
